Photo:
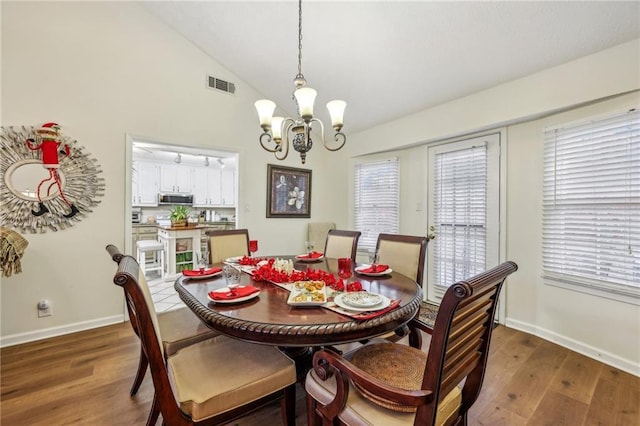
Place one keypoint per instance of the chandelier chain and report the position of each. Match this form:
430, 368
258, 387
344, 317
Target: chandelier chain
299, 40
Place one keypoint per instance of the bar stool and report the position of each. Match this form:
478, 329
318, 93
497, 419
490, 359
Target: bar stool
157, 263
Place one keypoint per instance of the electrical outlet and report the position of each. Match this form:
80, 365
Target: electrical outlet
44, 309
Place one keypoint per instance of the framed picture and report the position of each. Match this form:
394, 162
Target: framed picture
288, 192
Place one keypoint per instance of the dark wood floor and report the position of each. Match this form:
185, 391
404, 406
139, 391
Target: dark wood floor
84, 379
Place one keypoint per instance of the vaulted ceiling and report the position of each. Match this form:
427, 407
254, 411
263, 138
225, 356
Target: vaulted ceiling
388, 59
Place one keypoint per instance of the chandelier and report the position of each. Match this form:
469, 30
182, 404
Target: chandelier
280, 131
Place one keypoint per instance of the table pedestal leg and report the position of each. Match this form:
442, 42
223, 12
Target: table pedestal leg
302, 356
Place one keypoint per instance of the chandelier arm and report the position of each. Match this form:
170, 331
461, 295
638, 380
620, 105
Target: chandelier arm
315, 120
269, 139
286, 125
337, 137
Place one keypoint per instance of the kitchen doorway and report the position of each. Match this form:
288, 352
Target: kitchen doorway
159, 174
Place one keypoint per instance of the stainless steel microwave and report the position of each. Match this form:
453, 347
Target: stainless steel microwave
175, 199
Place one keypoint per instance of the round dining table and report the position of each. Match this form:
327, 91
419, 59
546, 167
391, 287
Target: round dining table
269, 319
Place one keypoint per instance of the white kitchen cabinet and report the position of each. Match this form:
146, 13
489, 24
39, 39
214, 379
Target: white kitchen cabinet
175, 178
206, 187
145, 178
228, 187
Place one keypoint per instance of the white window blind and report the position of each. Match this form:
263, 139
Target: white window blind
591, 204
460, 214
376, 191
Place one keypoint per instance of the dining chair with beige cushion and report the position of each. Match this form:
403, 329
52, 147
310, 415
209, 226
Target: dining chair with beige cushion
179, 328
406, 255
392, 384
317, 231
223, 244
403, 253
210, 382
341, 243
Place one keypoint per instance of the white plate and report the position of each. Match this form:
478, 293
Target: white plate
201, 277
306, 295
235, 259
360, 269
303, 258
385, 303
361, 299
248, 269
239, 299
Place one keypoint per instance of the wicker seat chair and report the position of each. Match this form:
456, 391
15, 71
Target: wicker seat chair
210, 382
394, 384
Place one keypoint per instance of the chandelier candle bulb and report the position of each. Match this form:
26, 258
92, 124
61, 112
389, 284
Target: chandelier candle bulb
305, 96
336, 111
265, 109
276, 128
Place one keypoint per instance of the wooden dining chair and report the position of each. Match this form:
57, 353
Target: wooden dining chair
317, 231
210, 382
395, 384
178, 328
341, 243
403, 253
223, 244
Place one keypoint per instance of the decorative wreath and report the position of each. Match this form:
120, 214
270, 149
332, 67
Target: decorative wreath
68, 180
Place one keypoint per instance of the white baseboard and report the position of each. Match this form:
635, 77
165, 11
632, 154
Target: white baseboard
31, 336
590, 351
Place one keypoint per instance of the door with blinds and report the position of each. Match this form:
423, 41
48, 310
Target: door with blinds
463, 211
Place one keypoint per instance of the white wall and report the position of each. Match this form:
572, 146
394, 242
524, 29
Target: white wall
600, 328
103, 70
606, 329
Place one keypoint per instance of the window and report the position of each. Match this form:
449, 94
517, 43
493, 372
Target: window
591, 206
377, 191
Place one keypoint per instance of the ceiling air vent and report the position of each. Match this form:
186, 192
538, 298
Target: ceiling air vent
225, 86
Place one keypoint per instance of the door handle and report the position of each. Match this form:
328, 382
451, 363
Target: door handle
431, 235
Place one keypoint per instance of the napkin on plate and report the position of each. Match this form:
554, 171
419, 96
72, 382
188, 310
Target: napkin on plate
199, 273
312, 255
374, 269
241, 291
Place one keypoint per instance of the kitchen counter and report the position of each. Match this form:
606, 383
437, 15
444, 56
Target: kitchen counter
182, 228
198, 225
